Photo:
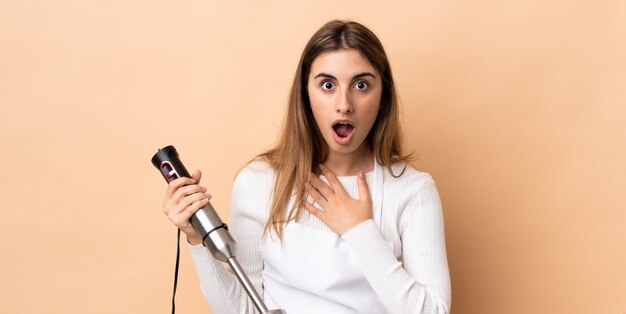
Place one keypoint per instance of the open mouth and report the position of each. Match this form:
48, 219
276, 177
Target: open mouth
343, 131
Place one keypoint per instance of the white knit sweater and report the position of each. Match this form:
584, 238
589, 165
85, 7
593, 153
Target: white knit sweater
411, 277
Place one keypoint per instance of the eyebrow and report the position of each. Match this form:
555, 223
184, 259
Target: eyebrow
360, 75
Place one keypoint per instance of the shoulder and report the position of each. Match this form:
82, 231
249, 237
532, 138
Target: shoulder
405, 185
256, 173
252, 190
413, 194
405, 176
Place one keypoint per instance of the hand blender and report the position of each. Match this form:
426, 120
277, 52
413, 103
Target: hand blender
207, 223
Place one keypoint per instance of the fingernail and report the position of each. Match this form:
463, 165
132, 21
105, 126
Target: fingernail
361, 174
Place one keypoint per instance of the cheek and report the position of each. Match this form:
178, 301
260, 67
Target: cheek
319, 101
317, 104
371, 107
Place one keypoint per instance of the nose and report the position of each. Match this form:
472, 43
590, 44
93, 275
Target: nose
344, 103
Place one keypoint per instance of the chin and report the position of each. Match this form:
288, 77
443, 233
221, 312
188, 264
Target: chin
344, 149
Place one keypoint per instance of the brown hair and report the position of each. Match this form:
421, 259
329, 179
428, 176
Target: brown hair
301, 146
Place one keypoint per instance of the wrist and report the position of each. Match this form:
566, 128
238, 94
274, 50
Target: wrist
194, 240
356, 229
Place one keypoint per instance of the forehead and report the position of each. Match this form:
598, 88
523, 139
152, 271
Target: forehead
344, 62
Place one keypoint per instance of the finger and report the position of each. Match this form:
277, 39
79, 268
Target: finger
181, 213
197, 175
181, 219
364, 192
177, 203
173, 186
313, 210
193, 208
176, 184
332, 179
187, 190
322, 187
191, 199
317, 196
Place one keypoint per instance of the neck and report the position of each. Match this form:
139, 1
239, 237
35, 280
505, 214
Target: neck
351, 164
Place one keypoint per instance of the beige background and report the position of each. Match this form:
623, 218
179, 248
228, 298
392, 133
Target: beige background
517, 109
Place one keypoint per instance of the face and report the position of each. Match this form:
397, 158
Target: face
344, 92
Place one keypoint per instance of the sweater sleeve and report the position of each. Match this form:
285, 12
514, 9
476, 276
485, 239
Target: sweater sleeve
421, 282
248, 207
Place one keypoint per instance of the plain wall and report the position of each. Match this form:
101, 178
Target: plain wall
517, 109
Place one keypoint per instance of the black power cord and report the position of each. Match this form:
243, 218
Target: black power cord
176, 271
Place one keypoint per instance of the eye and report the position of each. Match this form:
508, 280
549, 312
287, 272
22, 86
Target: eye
327, 85
361, 85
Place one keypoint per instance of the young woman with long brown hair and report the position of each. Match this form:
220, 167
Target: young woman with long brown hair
333, 219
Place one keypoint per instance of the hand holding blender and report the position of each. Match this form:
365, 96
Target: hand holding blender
204, 225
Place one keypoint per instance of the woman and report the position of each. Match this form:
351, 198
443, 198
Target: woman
332, 219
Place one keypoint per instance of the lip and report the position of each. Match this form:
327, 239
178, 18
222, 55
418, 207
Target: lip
344, 121
342, 140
